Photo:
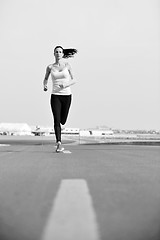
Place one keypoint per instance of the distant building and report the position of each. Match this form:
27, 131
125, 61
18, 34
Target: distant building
96, 132
42, 131
15, 129
46, 131
70, 131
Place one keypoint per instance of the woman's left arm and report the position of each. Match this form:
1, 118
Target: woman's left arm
71, 81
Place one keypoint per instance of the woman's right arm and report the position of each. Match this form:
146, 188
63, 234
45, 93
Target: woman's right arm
45, 81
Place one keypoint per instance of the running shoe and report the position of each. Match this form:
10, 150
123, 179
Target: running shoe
59, 148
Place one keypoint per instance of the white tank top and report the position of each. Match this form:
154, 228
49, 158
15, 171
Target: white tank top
60, 77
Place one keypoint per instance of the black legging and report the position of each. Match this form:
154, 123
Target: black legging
60, 105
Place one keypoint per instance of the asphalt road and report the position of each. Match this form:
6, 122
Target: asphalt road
91, 192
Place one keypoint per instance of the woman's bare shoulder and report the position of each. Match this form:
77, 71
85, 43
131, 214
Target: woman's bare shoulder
50, 66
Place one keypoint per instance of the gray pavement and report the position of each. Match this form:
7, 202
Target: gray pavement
123, 182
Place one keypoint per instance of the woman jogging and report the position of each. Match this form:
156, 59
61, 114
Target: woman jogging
62, 79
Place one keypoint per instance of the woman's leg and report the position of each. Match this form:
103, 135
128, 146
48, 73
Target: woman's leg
56, 110
66, 103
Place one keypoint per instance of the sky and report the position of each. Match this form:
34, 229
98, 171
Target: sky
117, 67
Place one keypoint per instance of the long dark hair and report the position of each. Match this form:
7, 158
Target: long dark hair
68, 52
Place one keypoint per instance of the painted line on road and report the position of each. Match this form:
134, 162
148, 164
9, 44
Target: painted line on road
72, 216
5, 145
67, 151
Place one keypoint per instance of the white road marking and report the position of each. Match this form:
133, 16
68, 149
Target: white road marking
4, 145
67, 151
72, 216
